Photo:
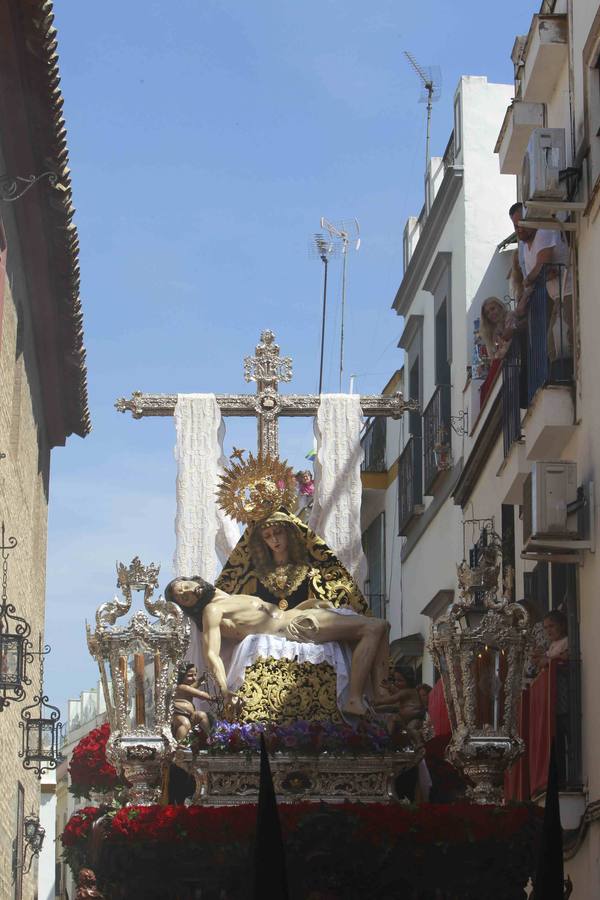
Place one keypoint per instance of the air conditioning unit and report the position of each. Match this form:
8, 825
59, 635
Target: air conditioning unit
542, 165
548, 492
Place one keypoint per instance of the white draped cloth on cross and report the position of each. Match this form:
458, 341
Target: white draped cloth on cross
202, 535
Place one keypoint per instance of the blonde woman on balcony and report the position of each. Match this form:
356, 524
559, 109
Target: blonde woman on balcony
494, 321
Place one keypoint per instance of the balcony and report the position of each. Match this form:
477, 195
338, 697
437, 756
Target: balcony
511, 402
541, 357
550, 709
545, 54
519, 122
437, 450
410, 483
449, 153
373, 444
549, 338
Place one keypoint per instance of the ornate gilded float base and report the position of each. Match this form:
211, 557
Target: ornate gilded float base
230, 779
283, 690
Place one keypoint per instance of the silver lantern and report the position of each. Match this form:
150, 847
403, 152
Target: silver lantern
479, 649
138, 663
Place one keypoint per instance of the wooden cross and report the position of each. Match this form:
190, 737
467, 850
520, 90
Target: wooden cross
267, 368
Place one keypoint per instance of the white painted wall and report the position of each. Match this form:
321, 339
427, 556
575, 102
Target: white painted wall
476, 225
46, 861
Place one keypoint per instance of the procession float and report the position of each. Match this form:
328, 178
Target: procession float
257, 740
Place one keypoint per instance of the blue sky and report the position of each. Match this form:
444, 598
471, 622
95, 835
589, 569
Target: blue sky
207, 138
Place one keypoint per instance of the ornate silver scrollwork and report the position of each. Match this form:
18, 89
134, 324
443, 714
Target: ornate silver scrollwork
109, 612
268, 370
230, 779
480, 649
267, 367
137, 663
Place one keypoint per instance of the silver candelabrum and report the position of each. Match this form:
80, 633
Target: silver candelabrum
138, 663
480, 649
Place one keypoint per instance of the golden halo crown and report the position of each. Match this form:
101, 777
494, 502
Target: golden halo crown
255, 488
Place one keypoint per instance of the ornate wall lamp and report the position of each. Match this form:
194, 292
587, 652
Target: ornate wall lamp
15, 646
28, 845
479, 649
40, 728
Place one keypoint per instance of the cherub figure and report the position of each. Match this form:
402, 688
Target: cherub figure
86, 886
306, 493
185, 715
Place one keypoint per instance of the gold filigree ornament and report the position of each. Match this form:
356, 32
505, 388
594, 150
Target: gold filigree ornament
284, 690
255, 488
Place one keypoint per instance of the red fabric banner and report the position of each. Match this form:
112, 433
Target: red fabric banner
542, 726
489, 382
438, 712
516, 782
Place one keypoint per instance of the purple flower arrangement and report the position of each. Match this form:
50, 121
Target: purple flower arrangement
303, 737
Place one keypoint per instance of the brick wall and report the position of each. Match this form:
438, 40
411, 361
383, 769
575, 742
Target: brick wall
24, 508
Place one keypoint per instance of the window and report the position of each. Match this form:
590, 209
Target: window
591, 75
457, 124
410, 464
535, 585
374, 548
437, 433
508, 549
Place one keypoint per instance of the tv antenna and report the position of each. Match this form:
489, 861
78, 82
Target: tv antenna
324, 248
431, 78
342, 235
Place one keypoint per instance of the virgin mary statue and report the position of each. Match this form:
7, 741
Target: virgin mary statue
279, 558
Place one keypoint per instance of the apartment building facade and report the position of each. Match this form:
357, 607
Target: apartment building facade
557, 109
515, 445
451, 264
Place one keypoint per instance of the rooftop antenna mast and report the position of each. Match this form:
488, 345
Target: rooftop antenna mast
342, 235
432, 91
324, 248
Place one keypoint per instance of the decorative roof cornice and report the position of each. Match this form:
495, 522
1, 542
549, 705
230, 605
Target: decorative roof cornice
48, 137
429, 238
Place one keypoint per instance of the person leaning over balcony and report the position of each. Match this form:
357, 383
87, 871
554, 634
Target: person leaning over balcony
538, 248
555, 626
492, 327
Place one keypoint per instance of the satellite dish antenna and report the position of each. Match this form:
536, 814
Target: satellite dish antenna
343, 235
431, 78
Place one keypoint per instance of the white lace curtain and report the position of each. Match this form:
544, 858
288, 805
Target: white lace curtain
338, 489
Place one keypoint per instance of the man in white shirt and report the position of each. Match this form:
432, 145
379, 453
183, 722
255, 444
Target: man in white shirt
537, 248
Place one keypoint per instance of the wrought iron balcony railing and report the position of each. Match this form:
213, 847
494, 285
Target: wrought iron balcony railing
540, 356
373, 444
436, 436
511, 402
410, 482
549, 331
